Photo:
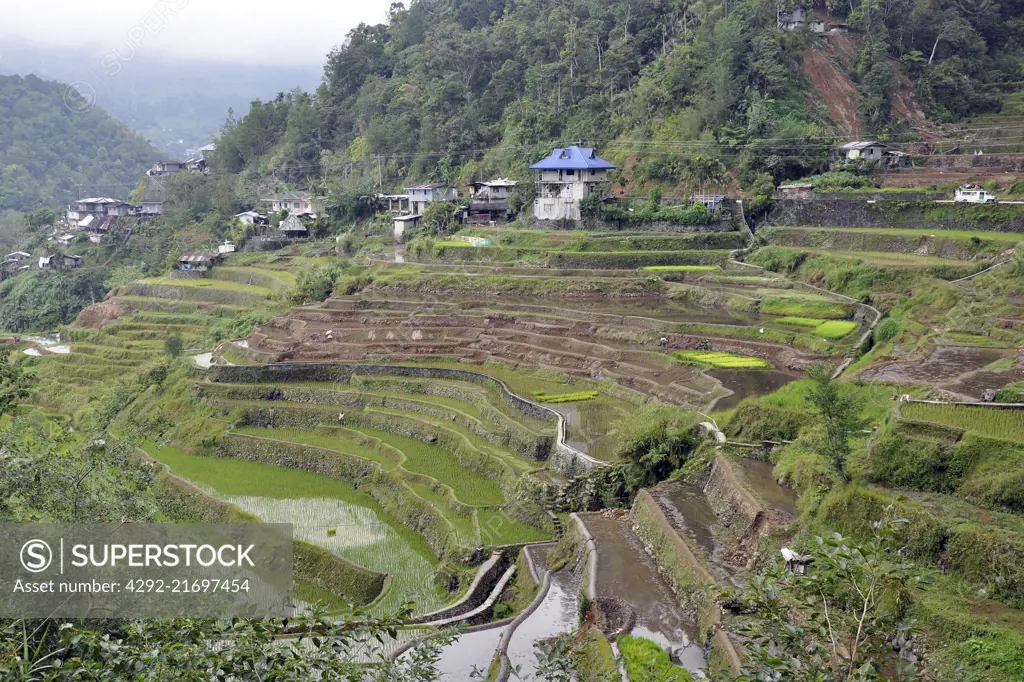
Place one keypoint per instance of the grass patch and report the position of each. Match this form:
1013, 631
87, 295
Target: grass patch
576, 396
995, 423
646, 660
834, 330
720, 360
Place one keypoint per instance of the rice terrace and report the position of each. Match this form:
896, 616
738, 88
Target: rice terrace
593, 342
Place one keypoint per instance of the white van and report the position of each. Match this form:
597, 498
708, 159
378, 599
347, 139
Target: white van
972, 194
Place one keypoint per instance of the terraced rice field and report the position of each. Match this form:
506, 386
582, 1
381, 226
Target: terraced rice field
995, 423
314, 503
721, 360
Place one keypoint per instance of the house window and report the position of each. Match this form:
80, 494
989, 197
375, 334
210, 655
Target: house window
296, 205
593, 172
570, 173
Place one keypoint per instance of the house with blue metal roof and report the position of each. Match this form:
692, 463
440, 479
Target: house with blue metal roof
565, 178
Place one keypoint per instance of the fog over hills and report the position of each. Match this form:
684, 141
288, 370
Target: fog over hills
178, 104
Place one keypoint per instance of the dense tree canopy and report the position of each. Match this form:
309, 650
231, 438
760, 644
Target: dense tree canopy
54, 143
493, 84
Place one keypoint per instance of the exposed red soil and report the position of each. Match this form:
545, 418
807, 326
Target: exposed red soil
832, 86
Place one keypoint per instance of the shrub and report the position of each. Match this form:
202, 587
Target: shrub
887, 330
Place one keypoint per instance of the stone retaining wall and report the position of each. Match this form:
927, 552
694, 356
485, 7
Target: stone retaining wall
686, 575
919, 215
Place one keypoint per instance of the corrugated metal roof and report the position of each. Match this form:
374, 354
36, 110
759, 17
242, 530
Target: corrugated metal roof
861, 144
573, 158
429, 185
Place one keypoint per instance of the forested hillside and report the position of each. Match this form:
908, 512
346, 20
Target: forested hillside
654, 83
54, 144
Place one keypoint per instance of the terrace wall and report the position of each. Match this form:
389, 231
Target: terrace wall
595, 225
897, 214
686, 575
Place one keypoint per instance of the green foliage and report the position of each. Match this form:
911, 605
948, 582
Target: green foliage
887, 330
834, 622
42, 300
316, 283
51, 137
173, 345
15, 381
756, 421
646, 661
657, 441
839, 411
837, 181
441, 217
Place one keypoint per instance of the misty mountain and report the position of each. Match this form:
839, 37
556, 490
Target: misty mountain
55, 146
178, 104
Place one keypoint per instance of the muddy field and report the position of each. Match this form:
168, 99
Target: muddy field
630, 343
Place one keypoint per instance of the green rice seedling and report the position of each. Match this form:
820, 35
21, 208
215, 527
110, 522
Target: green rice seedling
366, 534
803, 307
834, 330
319, 439
497, 527
470, 487
573, 397
680, 268
645, 659
986, 421
720, 360
801, 321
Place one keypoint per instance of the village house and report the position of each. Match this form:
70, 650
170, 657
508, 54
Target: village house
395, 203
82, 214
65, 240
489, 201
711, 201
292, 227
208, 149
422, 195
98, 231
196, 164
199, 261
154, 196
404, 224
252, 218
51, 261
19, 257
166, 168
863, 150
227, 247
298, 203
802, 191
797, 18
565, 178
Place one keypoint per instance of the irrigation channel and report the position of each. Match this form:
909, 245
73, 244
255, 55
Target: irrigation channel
718, 522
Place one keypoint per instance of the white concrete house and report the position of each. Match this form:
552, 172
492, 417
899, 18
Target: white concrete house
421, 195
864, 150
564, 179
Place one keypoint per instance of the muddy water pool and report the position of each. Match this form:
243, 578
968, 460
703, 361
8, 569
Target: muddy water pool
625, 572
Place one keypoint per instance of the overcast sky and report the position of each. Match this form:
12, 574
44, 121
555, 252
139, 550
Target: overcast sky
285, 32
